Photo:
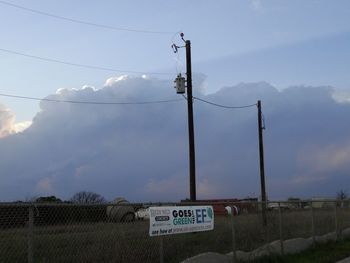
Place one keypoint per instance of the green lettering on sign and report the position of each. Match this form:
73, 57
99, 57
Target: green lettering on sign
182, 221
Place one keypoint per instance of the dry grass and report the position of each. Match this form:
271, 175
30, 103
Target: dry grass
130, 242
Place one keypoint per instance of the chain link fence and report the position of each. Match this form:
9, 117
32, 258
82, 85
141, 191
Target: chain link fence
120, 232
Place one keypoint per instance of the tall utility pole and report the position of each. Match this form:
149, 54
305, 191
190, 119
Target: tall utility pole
180, 89
192, 157
262, 168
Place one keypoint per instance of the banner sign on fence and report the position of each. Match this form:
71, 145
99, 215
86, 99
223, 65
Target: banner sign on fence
167, 220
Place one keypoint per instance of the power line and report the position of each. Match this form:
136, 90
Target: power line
225, 106
78, 64
122, 103
90, 102
77, 21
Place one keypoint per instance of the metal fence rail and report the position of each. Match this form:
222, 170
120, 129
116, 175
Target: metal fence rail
113, 233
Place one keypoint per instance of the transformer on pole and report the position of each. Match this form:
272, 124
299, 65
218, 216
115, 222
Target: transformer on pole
180, 85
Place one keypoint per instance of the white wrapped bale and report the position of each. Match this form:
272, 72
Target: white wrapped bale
120, 213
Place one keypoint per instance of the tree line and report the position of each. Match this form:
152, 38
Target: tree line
82, 197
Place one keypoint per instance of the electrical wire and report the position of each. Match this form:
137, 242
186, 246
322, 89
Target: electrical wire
123, 103
90, 102
77, 21
225, 106
80, 65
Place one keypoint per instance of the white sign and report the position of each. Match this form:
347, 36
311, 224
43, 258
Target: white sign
167, 220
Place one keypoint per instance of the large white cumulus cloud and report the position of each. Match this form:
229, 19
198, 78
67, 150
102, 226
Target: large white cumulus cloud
8, 123
141, 151
7, 120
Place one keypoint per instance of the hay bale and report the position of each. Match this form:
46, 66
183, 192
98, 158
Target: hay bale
120, 213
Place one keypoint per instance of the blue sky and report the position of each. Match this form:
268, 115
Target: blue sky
293, 55
282, 42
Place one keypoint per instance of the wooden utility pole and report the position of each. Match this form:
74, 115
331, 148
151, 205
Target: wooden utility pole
180, 89
262, 168
192, 158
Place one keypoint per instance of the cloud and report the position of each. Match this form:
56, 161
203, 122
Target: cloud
7, 119
322, 162
8, 123
341, 96
141, 151
257, 5
44, 186
21, 126
175, 186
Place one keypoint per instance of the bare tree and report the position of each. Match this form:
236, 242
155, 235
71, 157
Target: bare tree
85, 197
342, 196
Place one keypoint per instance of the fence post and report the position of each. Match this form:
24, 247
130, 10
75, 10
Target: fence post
313, 224
336, 220
266, 227
234, 253
161, 250
280, 227
30, 234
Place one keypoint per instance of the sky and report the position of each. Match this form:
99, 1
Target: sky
287, 53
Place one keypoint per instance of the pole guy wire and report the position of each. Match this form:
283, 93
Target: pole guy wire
87, 23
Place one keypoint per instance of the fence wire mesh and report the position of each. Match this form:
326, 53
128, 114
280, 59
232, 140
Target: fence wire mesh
120, 232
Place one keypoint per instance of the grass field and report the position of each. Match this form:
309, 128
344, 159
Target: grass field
326, 253
130, 242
